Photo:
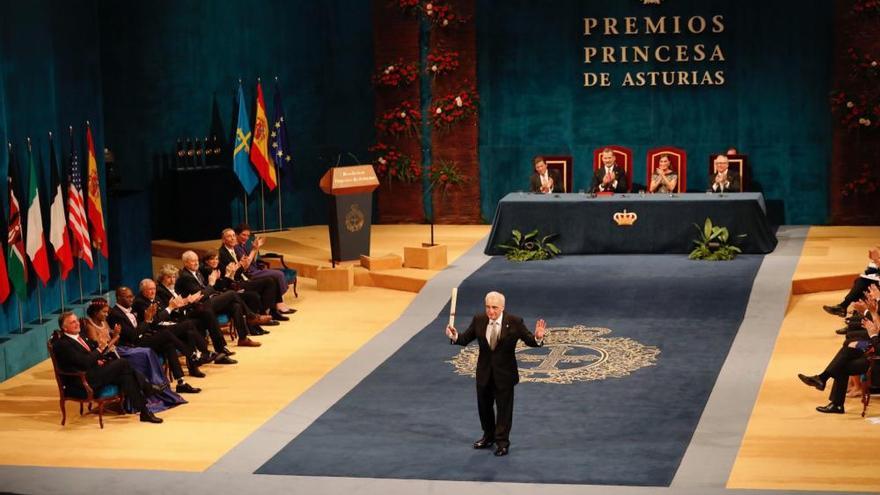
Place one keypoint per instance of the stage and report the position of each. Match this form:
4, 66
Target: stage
338, 339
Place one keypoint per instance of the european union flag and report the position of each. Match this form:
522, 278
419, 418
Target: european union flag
280, 151
241, 161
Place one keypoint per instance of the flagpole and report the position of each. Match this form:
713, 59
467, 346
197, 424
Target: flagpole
245, 207
20, 318
80, 277
39, 303
61, 287
280, 223
263, 205
98, 264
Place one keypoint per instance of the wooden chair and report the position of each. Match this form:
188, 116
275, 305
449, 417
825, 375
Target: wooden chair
276, 261
73, 386
677, 163
738, 163
622, 155
564, 166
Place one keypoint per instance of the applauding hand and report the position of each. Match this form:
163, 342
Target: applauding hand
451, 333
540, 329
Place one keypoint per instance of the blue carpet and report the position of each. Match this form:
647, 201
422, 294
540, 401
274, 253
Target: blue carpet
415, 417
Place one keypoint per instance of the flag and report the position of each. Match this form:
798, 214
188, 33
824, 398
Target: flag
58, 236
241, 151
278, 138
35, 243
96, 212
76, 210
17, 268
259, 154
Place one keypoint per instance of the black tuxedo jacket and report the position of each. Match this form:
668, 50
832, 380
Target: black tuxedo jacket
732, 181
188, 284
71, 356
599, 174
535, 182
499, 364
130, 335
226, 258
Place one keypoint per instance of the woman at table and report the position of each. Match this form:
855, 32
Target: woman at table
142, 359
664, 179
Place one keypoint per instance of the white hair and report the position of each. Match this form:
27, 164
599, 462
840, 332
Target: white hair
188, 255
497, 296
144, 283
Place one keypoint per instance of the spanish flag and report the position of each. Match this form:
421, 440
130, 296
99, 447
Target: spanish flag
96, 211
260, 145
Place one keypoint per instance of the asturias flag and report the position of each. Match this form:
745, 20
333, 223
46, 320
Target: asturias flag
241, 151
58, 236
259, 153
18, 273
96, 212
35, 244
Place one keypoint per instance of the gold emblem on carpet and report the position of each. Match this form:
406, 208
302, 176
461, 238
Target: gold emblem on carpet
571, 354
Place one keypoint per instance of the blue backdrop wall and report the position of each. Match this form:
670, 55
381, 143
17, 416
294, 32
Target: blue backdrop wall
49, 80
772, 106
169, 65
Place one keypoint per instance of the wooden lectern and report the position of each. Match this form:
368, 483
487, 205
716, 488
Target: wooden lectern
351, 206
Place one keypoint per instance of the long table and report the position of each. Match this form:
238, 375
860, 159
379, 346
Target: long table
664, 223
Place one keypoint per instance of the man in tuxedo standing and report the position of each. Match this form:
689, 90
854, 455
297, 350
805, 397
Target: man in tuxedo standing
497, 333
610, 177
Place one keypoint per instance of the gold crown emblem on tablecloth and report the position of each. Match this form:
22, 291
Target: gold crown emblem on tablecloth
625, 218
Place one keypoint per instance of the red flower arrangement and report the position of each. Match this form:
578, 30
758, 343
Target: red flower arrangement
443, 61
402, 120
445, 174
409, 6
863, 6
441, 15
866, 183
397, 74
391, 164
453, 108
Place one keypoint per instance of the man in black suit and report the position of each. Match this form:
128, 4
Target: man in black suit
610, 177
148, 333
723, 180
497, 333
201, 313
544, 181
191, 281
77, 354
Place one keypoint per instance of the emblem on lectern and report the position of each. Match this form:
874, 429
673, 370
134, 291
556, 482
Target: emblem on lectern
625, 218
354, 219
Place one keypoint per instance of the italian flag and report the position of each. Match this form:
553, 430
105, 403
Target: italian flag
35, 245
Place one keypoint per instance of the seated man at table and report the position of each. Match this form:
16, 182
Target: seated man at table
610, 177
544, 181
723, 179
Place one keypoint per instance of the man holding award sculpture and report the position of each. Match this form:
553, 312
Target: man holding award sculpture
497, 333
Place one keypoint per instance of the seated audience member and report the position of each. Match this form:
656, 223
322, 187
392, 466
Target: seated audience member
851, 359
870, 277
205, 318
544, 181
664, 179
77, 354
230, 303
182, 328
142, 359
247, 254
724, 179
134, 333
260, 294
610, 177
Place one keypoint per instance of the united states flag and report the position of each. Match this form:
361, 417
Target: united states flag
76, 211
